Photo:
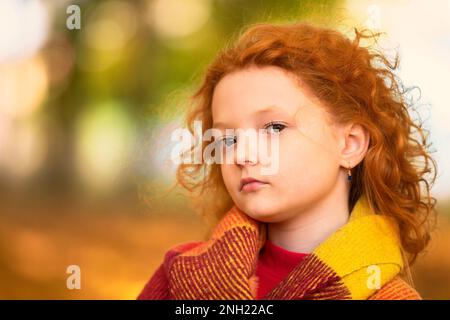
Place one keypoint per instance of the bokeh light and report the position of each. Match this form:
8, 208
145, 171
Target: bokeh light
178, 18
109, 28
23, 87
23, 147
105, 135
24, 26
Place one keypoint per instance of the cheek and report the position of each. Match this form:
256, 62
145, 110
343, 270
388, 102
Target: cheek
305, 165
229, 176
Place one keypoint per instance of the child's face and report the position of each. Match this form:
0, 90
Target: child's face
309, 144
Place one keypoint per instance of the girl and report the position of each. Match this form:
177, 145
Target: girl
347, 209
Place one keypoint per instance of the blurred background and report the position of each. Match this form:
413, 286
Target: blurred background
87, 112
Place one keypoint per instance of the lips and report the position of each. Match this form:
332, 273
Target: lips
251, 184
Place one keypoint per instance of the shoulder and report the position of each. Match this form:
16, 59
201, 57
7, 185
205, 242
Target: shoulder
396, 289
179, 249
156, 287
176, 250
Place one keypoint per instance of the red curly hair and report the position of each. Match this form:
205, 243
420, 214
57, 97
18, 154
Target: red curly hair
355, 84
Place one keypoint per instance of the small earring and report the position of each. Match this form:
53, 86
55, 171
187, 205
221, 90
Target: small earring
349, 172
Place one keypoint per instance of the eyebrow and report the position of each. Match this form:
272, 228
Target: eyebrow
268, 109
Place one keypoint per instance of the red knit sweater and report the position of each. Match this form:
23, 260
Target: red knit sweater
274, 264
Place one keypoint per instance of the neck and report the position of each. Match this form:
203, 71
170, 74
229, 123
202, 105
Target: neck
309, 228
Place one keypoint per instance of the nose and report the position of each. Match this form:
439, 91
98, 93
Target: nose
246, 153
249, 162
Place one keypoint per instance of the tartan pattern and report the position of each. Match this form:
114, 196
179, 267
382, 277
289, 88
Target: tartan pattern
396, 289
310, 280
224, 268
214, 275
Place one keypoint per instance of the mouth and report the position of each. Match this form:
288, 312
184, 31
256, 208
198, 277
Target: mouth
251, 184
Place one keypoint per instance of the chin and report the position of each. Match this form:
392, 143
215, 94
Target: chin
260, 210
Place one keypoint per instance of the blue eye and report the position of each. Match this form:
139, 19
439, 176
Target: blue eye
272, 127
227, 141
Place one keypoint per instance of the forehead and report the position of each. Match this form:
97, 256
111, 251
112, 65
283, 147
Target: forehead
257, 91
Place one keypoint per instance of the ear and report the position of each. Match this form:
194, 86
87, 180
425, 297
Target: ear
354, 143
